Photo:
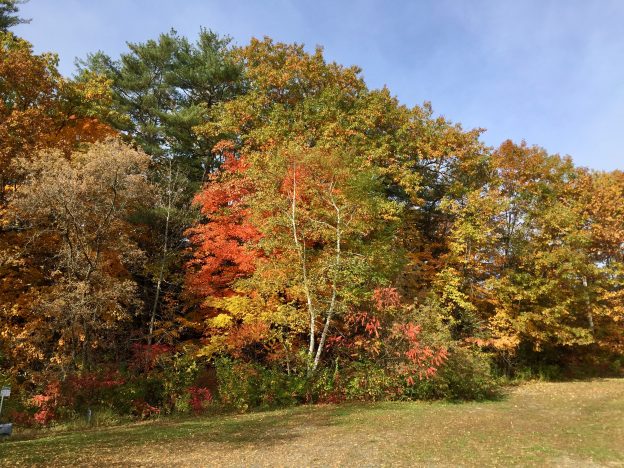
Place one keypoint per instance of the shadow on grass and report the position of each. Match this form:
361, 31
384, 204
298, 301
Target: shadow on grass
578, 420
234, 431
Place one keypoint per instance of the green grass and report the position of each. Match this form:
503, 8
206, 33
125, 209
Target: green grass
569, 424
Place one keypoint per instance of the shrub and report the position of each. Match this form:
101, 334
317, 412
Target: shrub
466, 375
47, 403
244, 385
199, 398
366, 381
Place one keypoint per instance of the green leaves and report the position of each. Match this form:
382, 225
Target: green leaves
164, 88
8, 14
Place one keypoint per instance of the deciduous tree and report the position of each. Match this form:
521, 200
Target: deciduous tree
40, 109
68, 306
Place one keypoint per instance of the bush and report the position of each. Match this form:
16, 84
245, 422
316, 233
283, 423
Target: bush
466, 375
413, 356
363, 381
467, 372
245, 385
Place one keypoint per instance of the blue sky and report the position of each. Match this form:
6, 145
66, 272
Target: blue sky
547, 71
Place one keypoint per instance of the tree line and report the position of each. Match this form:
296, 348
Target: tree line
195, 220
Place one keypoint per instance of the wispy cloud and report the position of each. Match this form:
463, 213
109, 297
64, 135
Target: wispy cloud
550, 72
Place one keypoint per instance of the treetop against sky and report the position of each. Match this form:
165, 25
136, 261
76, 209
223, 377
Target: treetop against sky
548, 72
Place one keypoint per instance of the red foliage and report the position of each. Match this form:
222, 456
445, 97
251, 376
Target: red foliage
47, 403
44, 416
200, 397
221, 254
422, 360
144, 356
386, 298
84, 387
362, 333
21, 418
368, 321
144, 410
92, 382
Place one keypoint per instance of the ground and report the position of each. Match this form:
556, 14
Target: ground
545, 424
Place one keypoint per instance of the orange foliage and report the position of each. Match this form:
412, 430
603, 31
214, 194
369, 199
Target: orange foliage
39, 109
222, 253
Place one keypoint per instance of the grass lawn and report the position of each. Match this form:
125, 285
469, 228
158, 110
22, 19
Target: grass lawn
552, 424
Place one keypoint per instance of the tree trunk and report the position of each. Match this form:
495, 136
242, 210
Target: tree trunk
161, 273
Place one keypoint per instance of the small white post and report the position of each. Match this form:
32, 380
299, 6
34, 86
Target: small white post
4, 392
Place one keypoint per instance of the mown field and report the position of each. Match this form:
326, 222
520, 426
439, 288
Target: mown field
545, 424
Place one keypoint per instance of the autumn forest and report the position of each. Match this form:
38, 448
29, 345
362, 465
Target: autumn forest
197, 223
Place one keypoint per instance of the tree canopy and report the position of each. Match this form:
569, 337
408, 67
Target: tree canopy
259, 213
